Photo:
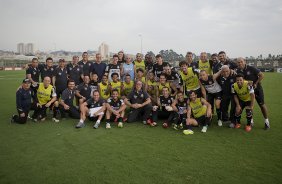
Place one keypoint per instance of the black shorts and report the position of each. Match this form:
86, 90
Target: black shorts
259, 95
216, 96
244, 104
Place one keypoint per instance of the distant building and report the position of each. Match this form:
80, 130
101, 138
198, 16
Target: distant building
104, 50
29, 48
20, 48
25, 49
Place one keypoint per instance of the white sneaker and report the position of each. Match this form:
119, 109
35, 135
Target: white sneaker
204, 129
55, 120
188, 132
219, 123
108, 125
252, 122
120, 124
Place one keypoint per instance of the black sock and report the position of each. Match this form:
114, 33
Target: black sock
218, 112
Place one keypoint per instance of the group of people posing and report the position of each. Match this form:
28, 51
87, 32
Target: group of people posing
128, 90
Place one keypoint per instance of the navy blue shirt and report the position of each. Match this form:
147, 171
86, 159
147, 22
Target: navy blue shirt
61, 82
74, 73
45, 71
23, 100
99, 69
34, 72
68, 96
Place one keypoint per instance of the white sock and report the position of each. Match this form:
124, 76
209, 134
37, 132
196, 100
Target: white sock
266, 121
81, 121
98, 121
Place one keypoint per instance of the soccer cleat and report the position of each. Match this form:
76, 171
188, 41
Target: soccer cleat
13, 118
96, 125
248, 128
175, 127
238, 125
219, 123
204, 129
266, 125
165, 125
252, 122
188, 132
180, 126
54, 119
120, 124
80, 125
108, 125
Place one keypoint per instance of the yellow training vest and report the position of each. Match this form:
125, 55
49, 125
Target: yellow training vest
127, 87
116, 85
140, 65
243, 93
198, 108
205, 66
44, 94
190, 79
152, 86
161, 86
102, 90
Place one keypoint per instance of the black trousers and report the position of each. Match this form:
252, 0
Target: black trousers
169, 116
40, 112
142, 113
19, 119
224, 105
72, 111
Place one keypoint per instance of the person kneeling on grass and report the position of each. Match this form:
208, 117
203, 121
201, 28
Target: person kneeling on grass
66, 101
94, 108
201, 111
23, 100
115, 109
45, 98
244, 98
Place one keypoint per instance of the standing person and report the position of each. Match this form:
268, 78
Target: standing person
66, 102
139, 62
189, 60
98, 67
115, 109
121, 57
226, 80
204, 63
47, 69
149, 63
213, 92
32, 73
172, 76
45, 98
201, 111
128, 68
114, 67
75, 71
139, 103
93, 108
23, 101
85, 64
253, 74
225, 61
244, 98
158, 66
216, 66
60, 78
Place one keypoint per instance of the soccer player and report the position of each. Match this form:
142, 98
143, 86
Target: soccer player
115, 84
93, 84
93, 108
172, 76
189, 60
32, 73
152, 87
85, 64
66, 101
114, 67
140, 104
204, 63
149, 63
225, 61
45, 97
128, 68
75, 71
244, 98
164, 110
213, 92
140, 75
189, 80
115, 109
47, 69
158, 66
126, 86
104, 88
255, 76
139, 62
201, 111
163, 83
98, 67
180, 106
60, 78
83, 90
23, 100
216, 66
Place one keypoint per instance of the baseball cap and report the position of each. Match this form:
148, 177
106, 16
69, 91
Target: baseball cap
26, 81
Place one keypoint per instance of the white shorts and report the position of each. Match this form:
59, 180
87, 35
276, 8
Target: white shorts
93, 110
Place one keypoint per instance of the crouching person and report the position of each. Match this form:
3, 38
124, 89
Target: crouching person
93, 108
201, 111
23, 100
45, 98
66, 101
115, 109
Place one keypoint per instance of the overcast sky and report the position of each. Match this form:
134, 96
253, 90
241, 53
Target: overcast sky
240, 27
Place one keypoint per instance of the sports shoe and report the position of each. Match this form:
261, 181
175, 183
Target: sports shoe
231, 125
204, 129
144, 122
54, 119
108, 125
120, 124
175, 127
180, 126
248, 128
96, 125
80, 125
13, 118
238, 125
188, 132
219, 123
252, 122
266, 126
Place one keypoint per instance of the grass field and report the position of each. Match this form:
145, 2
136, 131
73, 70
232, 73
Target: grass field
58, 153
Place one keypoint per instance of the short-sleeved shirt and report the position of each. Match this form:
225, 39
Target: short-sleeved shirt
68, 96
226, 84
158, 69
182, 106
99, 69
173, 78
34, 72
45, 71
250, 73
84, 90
232, 65
86, 67
210, 85
165, 102
93, 85
137, 97
74, 72
92, 104
216, 67
115, 104
111, 68
61, 76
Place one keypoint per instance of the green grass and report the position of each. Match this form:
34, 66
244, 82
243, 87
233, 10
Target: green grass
58, 153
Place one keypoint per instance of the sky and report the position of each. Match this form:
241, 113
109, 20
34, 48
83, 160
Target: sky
239, 27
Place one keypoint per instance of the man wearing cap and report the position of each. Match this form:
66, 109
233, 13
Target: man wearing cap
60, 78
23, 101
